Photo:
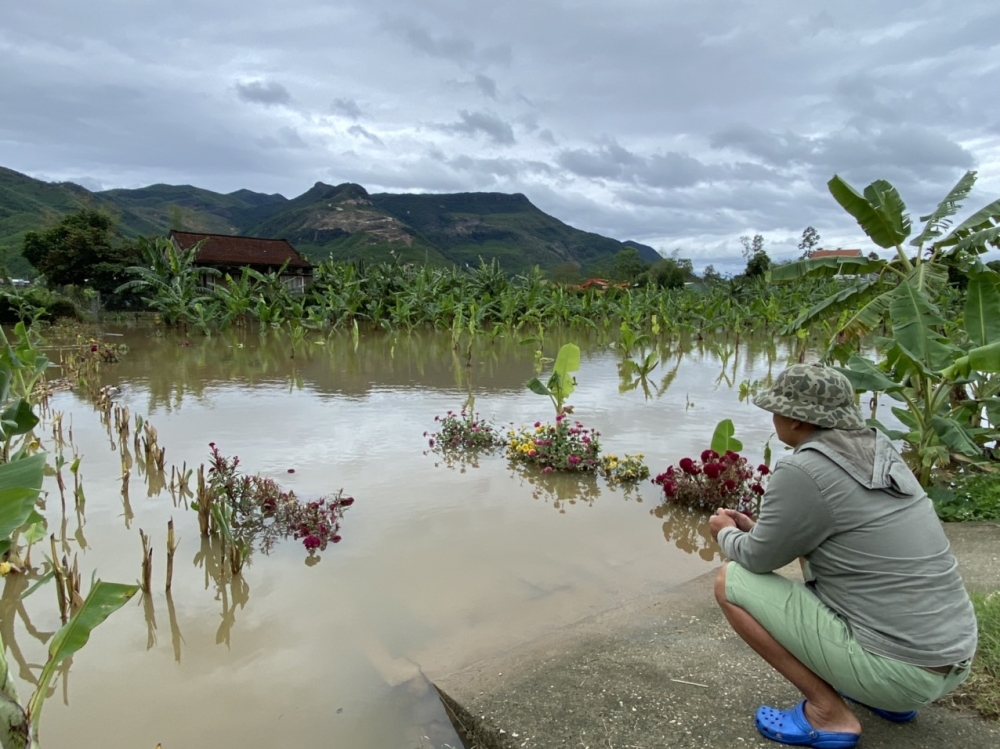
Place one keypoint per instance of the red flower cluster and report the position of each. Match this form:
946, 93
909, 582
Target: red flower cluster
715, 481
262, 513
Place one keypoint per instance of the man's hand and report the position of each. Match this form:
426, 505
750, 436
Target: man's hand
724, 518
744, 523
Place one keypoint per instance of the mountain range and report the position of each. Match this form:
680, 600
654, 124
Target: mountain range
327, 221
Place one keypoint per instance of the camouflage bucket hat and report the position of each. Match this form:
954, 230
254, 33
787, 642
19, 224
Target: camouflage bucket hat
814, 394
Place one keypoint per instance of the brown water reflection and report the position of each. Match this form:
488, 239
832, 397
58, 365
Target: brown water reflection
437, 570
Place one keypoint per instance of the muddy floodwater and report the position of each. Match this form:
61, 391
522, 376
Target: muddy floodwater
442, 563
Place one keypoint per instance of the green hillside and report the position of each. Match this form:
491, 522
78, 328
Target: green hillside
327, 221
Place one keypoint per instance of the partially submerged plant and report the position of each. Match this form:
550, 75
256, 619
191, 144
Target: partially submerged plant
464, 431
629, 469
726, 480
564, 446
254, 512
561, 383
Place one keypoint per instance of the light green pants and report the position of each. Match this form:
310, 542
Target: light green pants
821, 639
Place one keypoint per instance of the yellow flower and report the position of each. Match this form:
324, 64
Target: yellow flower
5, 568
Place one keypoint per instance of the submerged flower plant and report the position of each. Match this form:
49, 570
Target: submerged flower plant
259, 513
715, 481
628, 469
564, 446
463, 431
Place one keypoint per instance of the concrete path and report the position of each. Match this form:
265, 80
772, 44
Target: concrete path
670, 673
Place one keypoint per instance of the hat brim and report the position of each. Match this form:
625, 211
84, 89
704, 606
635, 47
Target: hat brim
841, 417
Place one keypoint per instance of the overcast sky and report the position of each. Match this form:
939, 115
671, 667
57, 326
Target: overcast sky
678, 123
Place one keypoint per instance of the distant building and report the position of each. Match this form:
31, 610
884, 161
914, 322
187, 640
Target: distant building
230, 254
834, 253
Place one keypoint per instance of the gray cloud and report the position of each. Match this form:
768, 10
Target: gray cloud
363, 133
486, 85
698, 123
268, 93
484, 123
346, 108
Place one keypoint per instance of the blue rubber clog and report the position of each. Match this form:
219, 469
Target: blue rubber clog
895, 717
791, 727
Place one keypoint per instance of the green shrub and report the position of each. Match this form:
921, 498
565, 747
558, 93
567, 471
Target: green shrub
969, 496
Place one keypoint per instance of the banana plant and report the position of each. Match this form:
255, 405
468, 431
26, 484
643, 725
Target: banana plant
881, 214
21, 474
561, 383
931, 376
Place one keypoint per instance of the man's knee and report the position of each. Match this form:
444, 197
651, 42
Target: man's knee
720, 586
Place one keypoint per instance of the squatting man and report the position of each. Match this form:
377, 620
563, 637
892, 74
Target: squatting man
883, 619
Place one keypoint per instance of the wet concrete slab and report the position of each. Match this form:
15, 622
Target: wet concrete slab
668, 672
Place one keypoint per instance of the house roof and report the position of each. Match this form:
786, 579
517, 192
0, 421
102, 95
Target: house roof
225, 249
836, 253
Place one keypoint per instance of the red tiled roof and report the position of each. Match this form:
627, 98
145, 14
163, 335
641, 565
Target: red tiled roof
836, 253
224, 249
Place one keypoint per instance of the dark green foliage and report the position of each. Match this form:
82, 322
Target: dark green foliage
82, 250
969, 496
670, 273
628, 266
758, 265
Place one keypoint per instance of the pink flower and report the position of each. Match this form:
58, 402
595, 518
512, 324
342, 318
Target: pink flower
547, 469
538, 424
669, 488
311, 543
708, 455
687, 465
532, 453
729, 484
764, 470
732, 457
574, 459
757, 489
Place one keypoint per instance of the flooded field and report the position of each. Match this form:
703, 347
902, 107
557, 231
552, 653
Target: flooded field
442, 563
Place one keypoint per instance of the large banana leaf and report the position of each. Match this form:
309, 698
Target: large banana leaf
103, 600
567, 360
870, 315
17, 418
20, 483
829, 306
955, 436
913, 322
866, 377
982, 219
886, 200
980, 359
821, 267
982, 308
976, 242
884, 223
937, 220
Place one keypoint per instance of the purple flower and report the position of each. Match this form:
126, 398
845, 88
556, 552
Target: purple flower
311, 543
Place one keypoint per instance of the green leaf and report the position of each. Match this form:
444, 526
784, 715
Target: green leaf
955, 436
887, 201
883, 222
913, 318
980, 359
982, 308
982, 219
18, 418
937, 221
892, 434
976, 242
905, 417
535, 386
561, 383
20, 484
829, 306
870, 316
103, 600
723, 439
865, 376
